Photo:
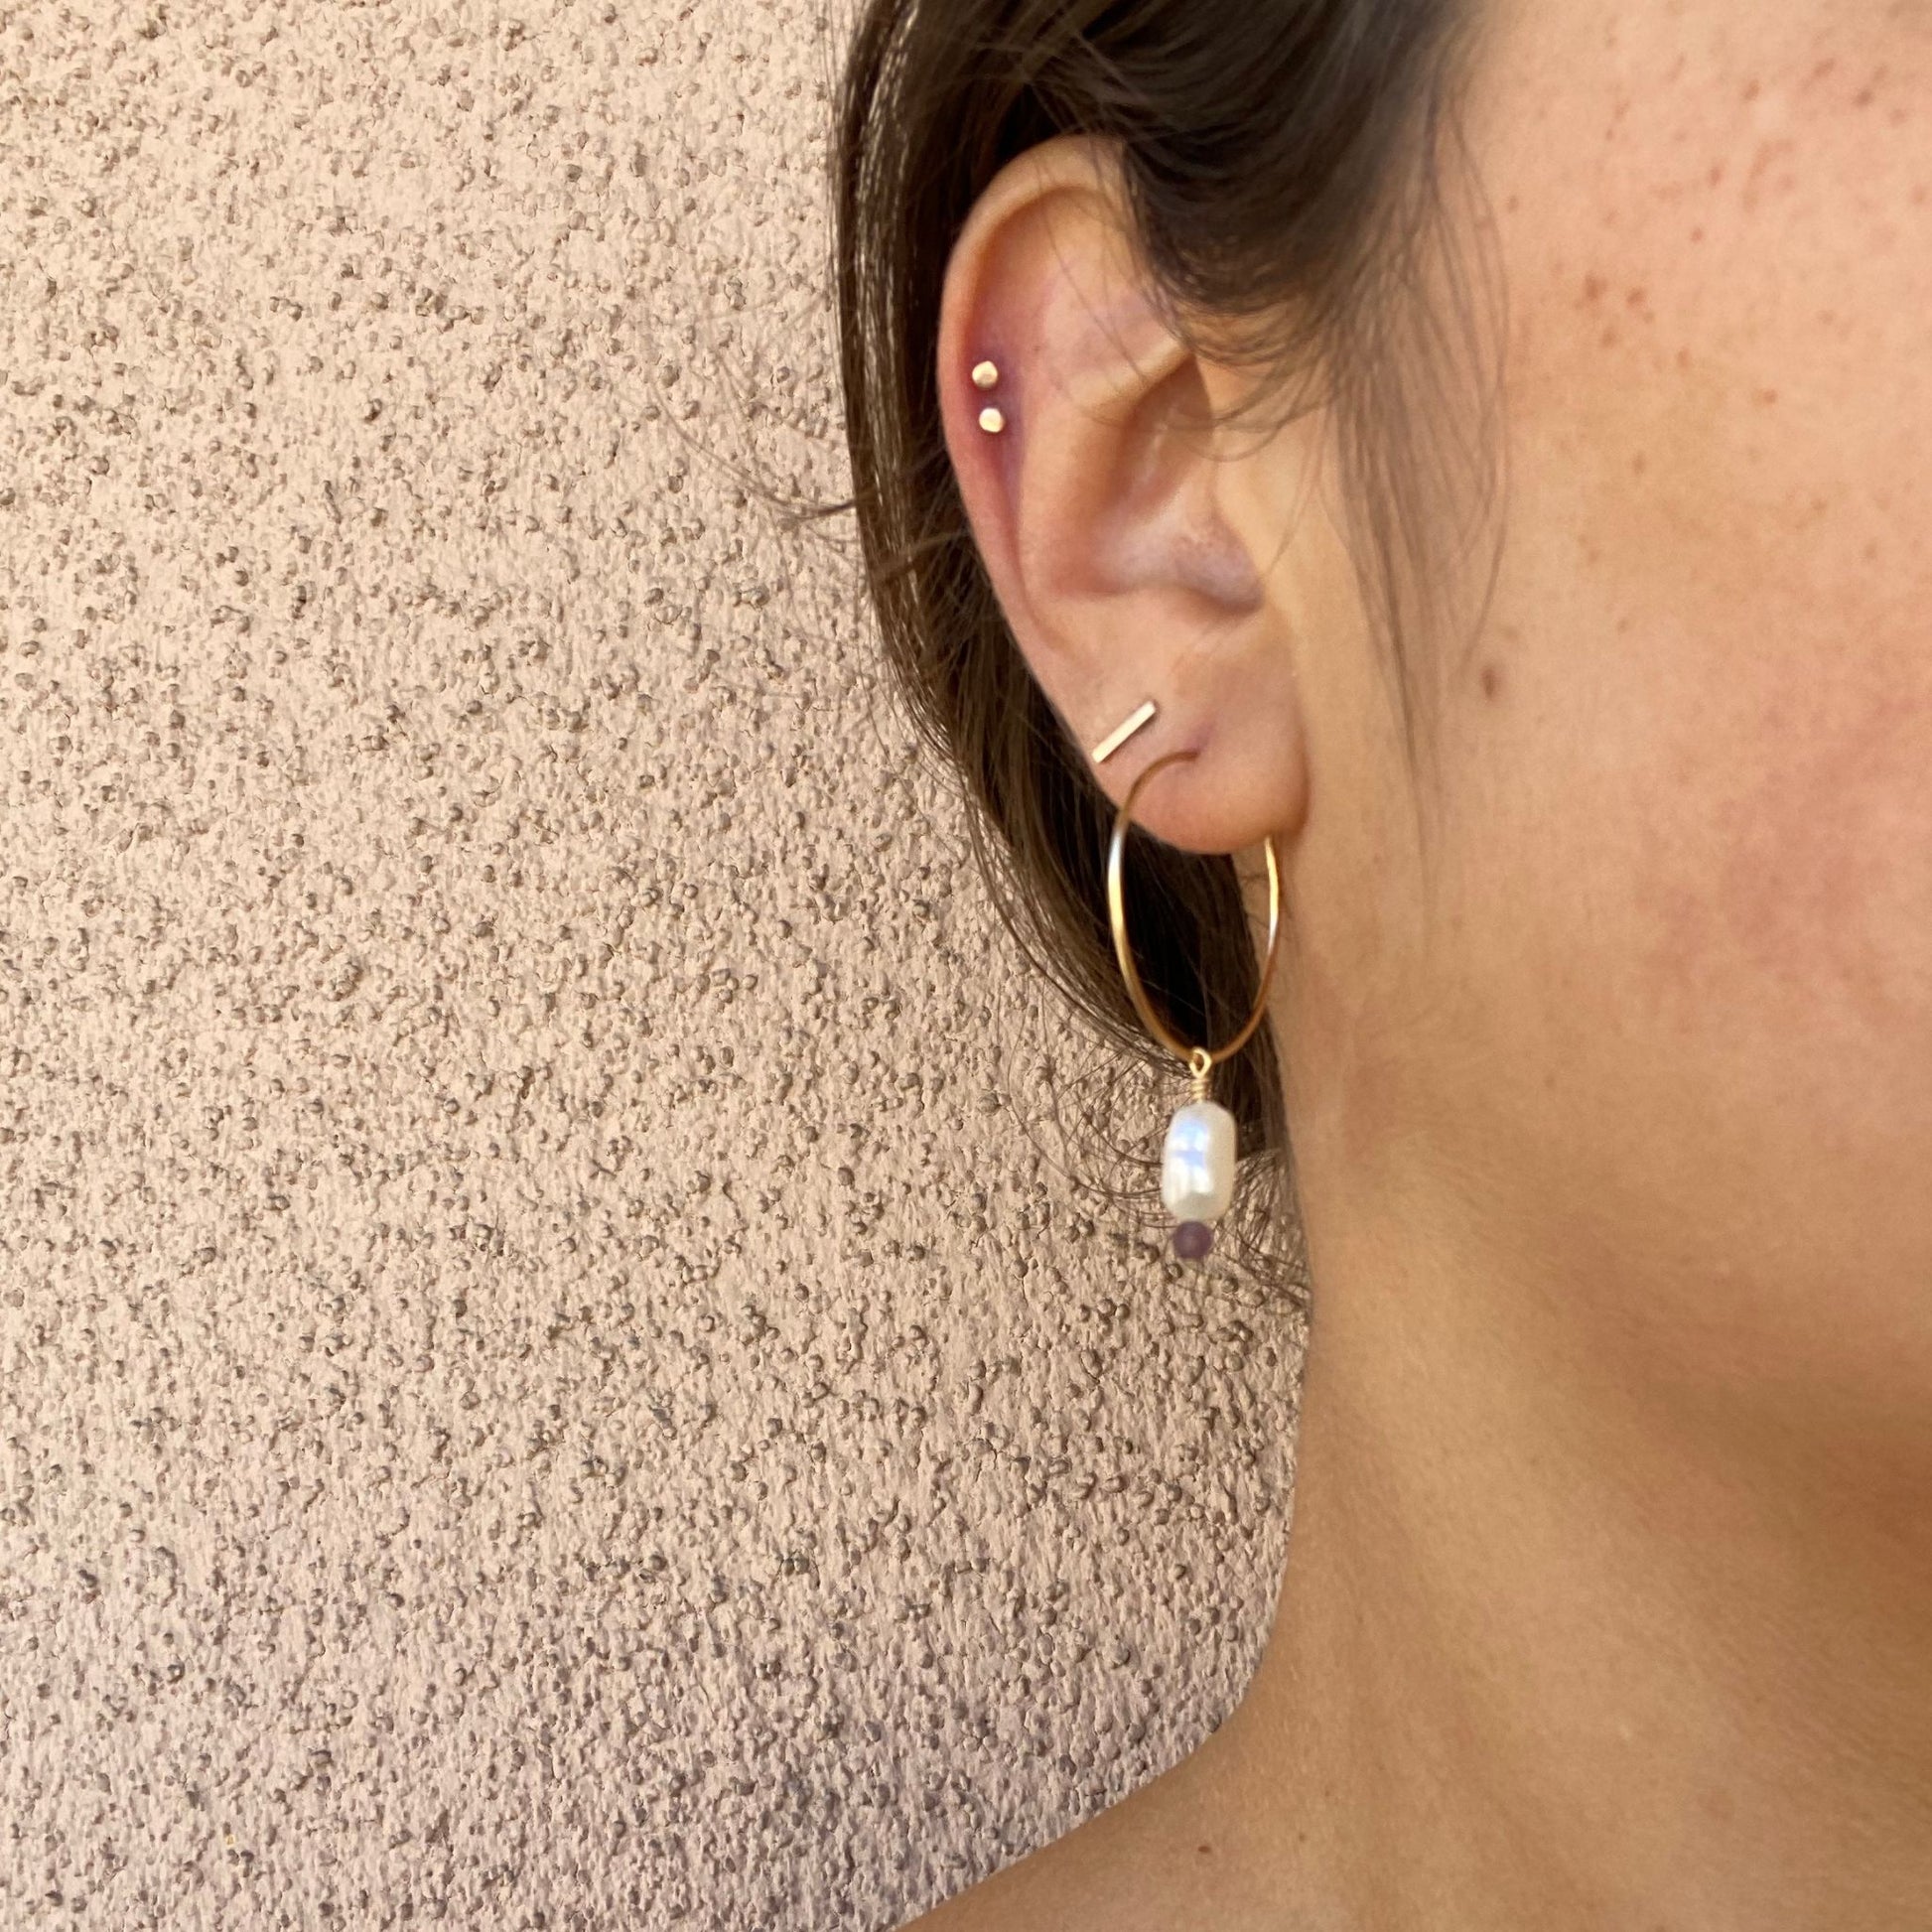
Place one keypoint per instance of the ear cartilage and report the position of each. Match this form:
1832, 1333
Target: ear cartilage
991, 421
985, 375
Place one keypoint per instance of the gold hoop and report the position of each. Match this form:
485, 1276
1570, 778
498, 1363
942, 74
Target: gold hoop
1199, 1058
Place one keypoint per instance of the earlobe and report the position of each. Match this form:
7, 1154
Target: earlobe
1090, 467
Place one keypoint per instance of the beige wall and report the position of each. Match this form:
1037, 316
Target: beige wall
549, 1375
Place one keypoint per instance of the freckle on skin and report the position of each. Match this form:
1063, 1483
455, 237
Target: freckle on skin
1492, 681
1767, 398
1592, 288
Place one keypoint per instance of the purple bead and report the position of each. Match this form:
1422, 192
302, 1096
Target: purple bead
1192, 1240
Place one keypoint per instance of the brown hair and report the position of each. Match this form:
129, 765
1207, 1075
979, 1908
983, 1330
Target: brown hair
1267, 152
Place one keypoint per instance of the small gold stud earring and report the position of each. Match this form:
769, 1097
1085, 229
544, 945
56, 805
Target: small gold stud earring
985, 375
991, 421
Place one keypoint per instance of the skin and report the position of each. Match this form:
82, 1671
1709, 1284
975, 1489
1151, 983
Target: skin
1607, 1041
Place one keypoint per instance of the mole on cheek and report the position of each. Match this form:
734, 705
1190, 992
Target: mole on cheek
1492, 681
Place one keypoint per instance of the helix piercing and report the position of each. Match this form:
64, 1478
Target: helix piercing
985, 376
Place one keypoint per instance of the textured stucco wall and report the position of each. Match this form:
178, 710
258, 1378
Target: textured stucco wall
551, 1370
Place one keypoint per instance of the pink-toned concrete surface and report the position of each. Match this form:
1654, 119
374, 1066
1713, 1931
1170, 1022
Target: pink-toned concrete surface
552, 1373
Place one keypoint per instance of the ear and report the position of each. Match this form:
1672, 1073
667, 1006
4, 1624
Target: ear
1098, 507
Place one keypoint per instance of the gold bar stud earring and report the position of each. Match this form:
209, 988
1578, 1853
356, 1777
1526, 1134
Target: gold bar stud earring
1115, 739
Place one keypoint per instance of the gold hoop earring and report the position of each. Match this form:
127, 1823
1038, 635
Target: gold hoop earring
1198, 1160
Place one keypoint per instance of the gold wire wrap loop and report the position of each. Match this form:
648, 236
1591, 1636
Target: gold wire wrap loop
1200, 1060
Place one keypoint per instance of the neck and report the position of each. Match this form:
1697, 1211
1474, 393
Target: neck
1548, 1654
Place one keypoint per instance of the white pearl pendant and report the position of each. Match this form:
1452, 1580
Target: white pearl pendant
1198, 1163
